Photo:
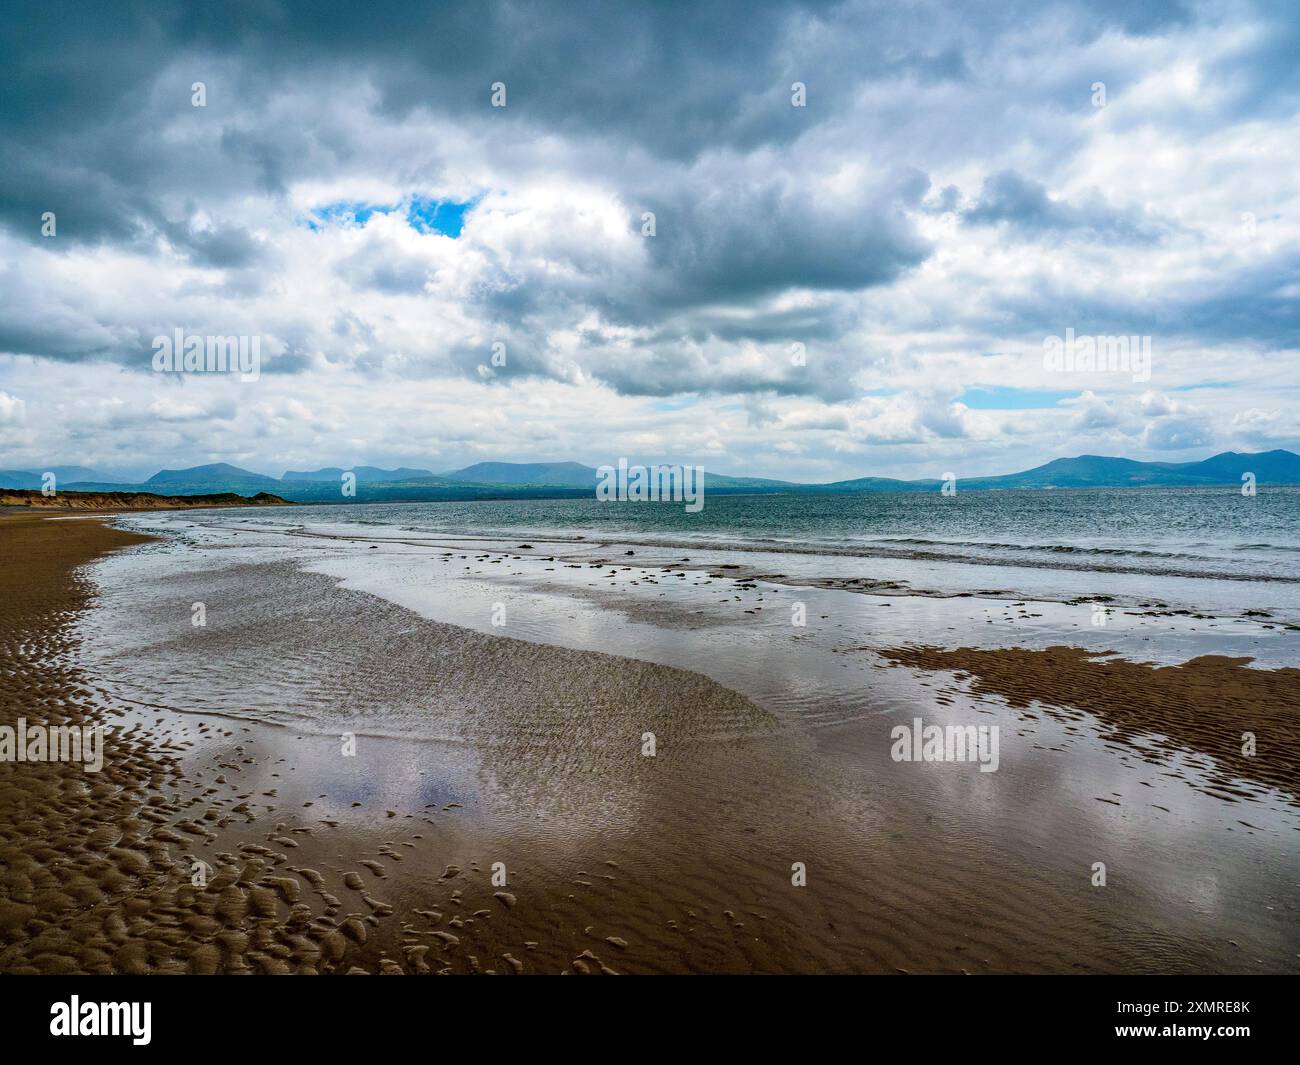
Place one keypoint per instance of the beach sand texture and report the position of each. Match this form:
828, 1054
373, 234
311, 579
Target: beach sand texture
387, 862
1213, 704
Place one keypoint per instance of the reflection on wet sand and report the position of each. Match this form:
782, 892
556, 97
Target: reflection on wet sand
523, 746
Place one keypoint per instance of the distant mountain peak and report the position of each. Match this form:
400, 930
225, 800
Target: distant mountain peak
211, 473
558, 474
369, 474
507, 480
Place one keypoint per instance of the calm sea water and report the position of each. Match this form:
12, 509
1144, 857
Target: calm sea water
1214, 533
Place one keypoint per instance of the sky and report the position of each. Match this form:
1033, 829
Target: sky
809, 241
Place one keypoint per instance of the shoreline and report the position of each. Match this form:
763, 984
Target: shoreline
874, 552
892, 574
615, 863
19, 499
1211, 705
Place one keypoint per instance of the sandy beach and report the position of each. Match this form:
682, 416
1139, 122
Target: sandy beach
323, 778
1207, 704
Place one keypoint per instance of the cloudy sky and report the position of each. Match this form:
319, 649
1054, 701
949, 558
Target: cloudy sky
860, 285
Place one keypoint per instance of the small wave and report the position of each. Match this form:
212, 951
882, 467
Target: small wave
973, 553
1061, 549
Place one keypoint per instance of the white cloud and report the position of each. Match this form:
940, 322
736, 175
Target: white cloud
1172, 212
12, 409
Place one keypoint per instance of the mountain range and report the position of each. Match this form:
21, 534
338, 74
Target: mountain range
514, 480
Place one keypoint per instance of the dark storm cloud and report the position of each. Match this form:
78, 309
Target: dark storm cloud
77, 125
223, 247
821, 321
724, 246
1025, 206
1258, 302
699, 94
78, 121
676, 369
724, 241
1253, 302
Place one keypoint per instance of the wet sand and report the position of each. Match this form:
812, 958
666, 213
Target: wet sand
99, 868
1246, 720
530, 754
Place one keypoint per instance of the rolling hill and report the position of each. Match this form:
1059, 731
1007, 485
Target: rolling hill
31, 479
365, 474
561, 474
539, 480
1097, 471
218, 476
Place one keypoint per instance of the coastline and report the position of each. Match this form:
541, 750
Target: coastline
615, 862
1245, 721
26, 499
132, 857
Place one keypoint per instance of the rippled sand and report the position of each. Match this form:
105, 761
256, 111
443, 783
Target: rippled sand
481, 757
1246, 720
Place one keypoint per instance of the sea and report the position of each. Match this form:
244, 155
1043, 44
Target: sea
1212, 549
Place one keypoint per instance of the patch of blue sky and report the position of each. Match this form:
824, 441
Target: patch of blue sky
438, 216
1000, 397
422, 214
